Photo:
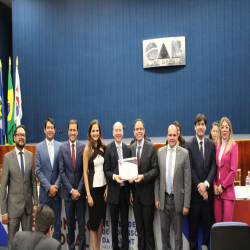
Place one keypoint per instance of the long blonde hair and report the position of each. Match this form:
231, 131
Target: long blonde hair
230, 141
101, 143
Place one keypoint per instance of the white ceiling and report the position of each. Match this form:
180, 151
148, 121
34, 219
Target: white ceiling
7, 2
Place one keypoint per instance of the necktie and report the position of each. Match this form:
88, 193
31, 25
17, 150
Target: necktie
169, 172
138, 155
119, 152
50, 154
73, 155
120, 158
201, 151
22, 166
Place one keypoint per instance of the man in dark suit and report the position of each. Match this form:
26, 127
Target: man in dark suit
142, 197
47, 170
73, 190
118, 190
173, 188
203, 169
39, 240
19, 178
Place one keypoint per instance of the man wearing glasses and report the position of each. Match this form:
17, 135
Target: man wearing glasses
18, 177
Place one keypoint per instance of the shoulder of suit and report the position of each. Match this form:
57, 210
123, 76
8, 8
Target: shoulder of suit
28, 152
149, 143
110, 144
191, 140
40, 144
57, 142
181, 149
162, 148
79, 143
21, 234
125, 145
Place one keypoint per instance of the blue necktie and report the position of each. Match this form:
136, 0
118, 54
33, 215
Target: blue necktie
201, 150
50, 154
119, 152
22, 166
169, 172
120, 158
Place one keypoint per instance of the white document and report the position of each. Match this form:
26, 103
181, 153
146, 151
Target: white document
128, 168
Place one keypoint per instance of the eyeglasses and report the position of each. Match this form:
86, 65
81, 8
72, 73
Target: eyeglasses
20, 135
224, 127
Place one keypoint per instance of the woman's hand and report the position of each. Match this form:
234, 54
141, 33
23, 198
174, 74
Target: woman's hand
216, 191
105, 193
90, 201
220, 189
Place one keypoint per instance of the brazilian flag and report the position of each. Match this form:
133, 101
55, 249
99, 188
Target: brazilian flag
10, 117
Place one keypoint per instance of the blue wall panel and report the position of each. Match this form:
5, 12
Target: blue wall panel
83, 59
5, 44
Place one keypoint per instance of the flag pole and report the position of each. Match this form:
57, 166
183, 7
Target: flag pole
7, 97
2, 88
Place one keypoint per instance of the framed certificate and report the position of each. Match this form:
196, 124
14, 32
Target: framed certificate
128, 168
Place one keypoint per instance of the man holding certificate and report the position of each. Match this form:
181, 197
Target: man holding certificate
142, 198
118, 189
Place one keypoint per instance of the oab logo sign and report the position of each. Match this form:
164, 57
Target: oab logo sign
160, 52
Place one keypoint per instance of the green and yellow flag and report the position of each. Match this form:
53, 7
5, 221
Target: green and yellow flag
10, 117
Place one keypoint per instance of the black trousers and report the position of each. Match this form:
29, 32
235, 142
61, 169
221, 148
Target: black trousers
123, 207
144, 219
200, 212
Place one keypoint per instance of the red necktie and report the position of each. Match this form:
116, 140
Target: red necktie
73, 155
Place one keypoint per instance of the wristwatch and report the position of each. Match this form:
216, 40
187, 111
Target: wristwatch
222, 186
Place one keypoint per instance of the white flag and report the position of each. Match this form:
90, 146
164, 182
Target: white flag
18, 101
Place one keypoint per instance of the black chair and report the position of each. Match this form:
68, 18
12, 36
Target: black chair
230, 236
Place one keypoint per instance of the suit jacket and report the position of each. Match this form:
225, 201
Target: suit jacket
148, 167
201, 172
47, 175
20, 190
111, 167
71, 178
227, 171
34, 241
181, 182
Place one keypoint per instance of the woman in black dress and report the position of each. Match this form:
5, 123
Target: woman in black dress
95, 182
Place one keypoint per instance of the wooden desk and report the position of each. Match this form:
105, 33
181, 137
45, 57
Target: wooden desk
242, 211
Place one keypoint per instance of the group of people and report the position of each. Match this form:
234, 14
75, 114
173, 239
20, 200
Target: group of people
194, 177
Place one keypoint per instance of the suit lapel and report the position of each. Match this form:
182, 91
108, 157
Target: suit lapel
222, 158
69, 155
196, 147
113, 146
177, 156
56, 150
164, 158
144, 150
133, 149
16, 164
206, 149
46, 153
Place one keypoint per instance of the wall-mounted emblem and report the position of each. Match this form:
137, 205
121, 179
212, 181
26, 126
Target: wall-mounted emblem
160, 52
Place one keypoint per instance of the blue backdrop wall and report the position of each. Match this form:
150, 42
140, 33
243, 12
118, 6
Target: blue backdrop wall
5, 44
83, 60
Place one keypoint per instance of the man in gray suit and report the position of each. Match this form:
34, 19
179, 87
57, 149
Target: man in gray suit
47, 171
39, 240
173, 188
18, 177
